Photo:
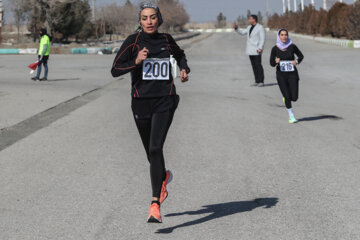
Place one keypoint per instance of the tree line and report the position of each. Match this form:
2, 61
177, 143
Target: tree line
122, 20
63, 18
341, 21
72, 19
241, 21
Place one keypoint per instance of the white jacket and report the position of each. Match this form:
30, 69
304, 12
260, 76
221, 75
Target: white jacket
255, 41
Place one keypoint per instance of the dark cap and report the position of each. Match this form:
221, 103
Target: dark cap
43, 31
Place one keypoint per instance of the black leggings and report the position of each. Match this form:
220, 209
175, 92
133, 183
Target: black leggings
153, 133
289, 87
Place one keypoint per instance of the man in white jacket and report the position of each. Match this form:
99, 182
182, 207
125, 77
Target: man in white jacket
254, 47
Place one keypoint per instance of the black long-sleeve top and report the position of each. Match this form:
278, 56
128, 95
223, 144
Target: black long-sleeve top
160, 46
287, 55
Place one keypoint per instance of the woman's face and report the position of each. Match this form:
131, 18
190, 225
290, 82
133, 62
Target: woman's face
149, 20
283, 36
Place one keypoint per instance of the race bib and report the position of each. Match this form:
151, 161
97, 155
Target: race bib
156, 69
286, 66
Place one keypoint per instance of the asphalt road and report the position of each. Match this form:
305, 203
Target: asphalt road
72, 165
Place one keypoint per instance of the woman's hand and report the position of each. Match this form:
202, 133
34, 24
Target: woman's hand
277, 60
142, 55
294, 63
184, 76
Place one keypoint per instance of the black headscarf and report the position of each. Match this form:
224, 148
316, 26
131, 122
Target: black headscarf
153, 6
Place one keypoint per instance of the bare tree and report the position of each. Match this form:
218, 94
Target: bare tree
41, 13
353, 27
221, 21
20, 9
117, 20
341, 20
174, 14
337, 19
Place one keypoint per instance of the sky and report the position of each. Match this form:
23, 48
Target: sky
207, 10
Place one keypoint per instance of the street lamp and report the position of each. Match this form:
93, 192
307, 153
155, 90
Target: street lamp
289, 6
284, 6
1, 19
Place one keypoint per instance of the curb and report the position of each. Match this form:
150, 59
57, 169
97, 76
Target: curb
9, 51
109, 50
213, 30
339, 42
187, 37
98, 50
334, 41
28, 51
91, 50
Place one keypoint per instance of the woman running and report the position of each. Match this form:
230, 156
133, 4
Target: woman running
283, 57
146, 55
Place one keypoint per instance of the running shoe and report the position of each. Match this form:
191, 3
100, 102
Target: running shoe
254, 85
292, 119
164, 192
261, 85
154, 214
35, 79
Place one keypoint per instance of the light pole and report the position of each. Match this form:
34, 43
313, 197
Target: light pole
1, 19
93, 10
302, 5
289, 6
284, 6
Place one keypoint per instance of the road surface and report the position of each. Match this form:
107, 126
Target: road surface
72, 165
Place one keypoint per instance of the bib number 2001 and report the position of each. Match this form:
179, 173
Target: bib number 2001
156, 69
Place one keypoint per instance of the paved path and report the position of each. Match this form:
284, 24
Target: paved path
78, 170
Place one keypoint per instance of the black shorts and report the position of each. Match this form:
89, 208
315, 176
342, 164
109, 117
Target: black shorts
143, 108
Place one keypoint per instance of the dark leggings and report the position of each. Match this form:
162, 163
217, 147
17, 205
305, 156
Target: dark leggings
153, 133
289, 87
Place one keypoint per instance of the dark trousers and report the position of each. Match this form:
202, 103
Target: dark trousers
44, 62
257, 68
289, 87
153, 133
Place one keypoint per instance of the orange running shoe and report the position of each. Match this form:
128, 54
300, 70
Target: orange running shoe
164, 192
154, 214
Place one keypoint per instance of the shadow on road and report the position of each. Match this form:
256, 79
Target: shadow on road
220, 210
276, 105
320, 117
270, 84
64, 79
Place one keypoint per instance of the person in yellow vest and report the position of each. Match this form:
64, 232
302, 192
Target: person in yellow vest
43, 55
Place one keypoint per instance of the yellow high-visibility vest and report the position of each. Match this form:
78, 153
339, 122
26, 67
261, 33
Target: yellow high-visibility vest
45, 40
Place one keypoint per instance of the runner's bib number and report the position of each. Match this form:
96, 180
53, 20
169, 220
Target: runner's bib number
156, 69
286, 66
